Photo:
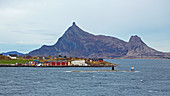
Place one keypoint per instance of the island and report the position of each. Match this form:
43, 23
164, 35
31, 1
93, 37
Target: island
12, 60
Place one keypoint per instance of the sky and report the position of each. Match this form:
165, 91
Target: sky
26, 25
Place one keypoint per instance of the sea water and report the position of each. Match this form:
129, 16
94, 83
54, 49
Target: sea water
151, 78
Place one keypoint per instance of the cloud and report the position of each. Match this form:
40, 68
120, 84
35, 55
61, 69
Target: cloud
44, 21
3, 42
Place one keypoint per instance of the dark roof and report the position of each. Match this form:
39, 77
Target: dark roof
13, 55
95, 59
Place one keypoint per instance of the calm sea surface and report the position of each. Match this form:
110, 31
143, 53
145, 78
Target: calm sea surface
152, 78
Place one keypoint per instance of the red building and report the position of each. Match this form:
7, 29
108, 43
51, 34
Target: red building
27, 57
57, 63
100, 59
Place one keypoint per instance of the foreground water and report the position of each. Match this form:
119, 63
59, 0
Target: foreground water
152, 78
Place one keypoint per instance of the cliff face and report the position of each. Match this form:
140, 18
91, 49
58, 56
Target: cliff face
77, 43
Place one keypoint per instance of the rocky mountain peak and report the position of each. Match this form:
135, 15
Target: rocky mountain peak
74, 23
137, 48
75, 32
74, 26
136, 40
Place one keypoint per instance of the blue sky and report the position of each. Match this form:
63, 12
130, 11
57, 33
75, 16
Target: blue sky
26, 25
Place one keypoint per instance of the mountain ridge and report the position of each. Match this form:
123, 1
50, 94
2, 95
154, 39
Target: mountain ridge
12, 52
78, 43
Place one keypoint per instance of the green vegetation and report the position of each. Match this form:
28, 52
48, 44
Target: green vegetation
104, 63
14, 61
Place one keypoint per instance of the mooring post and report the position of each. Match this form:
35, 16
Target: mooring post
113, 68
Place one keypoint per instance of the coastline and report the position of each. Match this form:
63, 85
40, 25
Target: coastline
10, 65
143, 58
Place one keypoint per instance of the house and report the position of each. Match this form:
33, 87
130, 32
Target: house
60, 56
12, 56
27, 57
95, 59
35, 62
2, 57
57, 63
79, 63
100, 59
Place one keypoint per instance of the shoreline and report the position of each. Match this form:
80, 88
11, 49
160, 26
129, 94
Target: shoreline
142, 58
4, 65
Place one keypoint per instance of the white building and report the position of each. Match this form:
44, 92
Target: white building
79, 63
12, 57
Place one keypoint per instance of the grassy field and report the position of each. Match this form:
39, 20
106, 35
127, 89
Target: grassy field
14, 61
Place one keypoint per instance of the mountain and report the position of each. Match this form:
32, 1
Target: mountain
12, 52
77, 43
138, 49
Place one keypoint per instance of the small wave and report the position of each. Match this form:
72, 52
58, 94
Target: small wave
151, 91
37, 82
68, 71
128, 71
136, 71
